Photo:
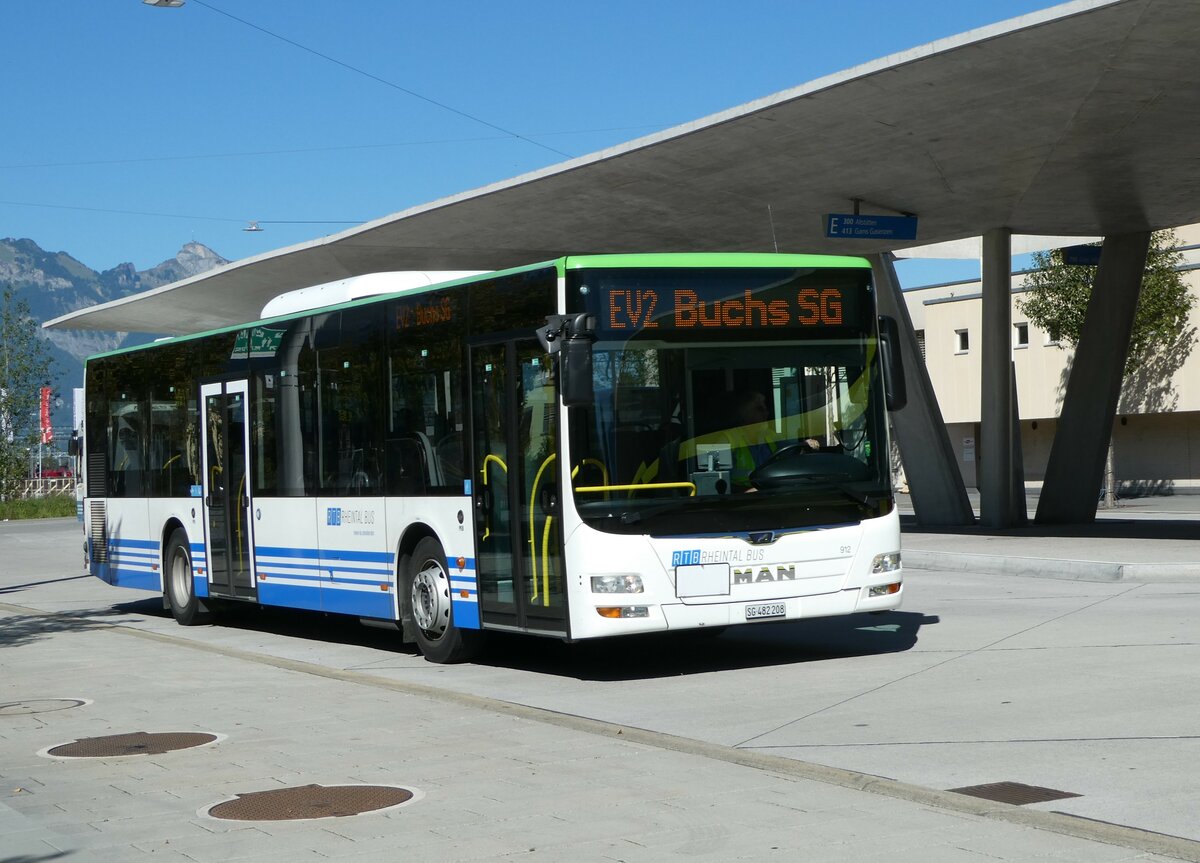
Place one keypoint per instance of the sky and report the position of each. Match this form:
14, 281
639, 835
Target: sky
131, 130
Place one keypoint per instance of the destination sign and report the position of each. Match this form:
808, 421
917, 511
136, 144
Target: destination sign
634, 309
424, 312
841, 226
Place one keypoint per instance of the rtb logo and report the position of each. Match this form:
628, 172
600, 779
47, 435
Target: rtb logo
685, 558
333, 516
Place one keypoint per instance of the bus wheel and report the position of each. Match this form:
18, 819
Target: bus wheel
180, 586
428, 592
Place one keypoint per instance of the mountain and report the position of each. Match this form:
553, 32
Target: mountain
54, 283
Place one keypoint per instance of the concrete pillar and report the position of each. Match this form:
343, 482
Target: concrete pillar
938, 494
998, 506
1075, 471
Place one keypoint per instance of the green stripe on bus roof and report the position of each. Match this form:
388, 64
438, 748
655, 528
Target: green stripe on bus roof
573, 262
714, 259
374, 298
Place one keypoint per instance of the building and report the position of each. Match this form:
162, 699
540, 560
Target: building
1156, 435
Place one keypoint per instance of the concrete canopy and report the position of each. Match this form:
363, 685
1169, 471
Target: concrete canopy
1077, 120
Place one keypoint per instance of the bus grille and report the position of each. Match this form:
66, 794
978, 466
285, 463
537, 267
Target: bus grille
98, 530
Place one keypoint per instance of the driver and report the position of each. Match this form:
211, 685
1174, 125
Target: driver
753, 440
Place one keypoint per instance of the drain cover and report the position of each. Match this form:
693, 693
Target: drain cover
39, 705
310, 801
137, 743
1014, 793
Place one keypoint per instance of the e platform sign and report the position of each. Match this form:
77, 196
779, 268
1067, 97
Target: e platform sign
851, 226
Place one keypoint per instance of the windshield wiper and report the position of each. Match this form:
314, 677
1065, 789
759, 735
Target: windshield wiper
828, 481
633, 516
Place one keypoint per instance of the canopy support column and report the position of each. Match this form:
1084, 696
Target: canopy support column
939, 496
999, 504
1075, 472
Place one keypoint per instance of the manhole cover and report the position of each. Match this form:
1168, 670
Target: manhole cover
39, 705
1014, 793
137, 743
310, 801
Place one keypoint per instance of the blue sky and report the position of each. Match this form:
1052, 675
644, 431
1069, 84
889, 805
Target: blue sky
132, 130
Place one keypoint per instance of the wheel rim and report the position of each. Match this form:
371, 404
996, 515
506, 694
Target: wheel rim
431, 599
181, 575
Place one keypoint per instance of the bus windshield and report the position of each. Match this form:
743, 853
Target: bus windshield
729, 400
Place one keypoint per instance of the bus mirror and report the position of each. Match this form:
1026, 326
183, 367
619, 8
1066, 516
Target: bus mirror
575, 371
894, 390
571, 337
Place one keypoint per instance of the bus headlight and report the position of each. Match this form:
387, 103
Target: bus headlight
889, 562
623, 583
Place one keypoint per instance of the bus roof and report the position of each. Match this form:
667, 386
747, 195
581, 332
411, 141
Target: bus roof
681, 260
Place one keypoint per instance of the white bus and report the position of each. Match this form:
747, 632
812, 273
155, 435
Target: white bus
590, 447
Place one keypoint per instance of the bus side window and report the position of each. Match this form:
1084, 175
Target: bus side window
424, 422
127, 458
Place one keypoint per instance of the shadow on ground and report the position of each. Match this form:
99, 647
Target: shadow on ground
1110, 528
628, 658
20, 629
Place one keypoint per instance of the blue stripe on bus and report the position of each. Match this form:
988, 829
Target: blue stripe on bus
131, 555
466, 614
380, 574
326, 598
327, 554
360, 602
132, 543
275, 564
270, 573
290, 595
136, 578
201, 584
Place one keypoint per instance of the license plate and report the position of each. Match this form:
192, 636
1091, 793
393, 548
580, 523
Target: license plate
764, 610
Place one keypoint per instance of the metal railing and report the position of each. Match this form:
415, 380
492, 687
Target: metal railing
46, 486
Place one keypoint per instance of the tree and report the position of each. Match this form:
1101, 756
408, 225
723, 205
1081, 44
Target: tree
24, 370
1057, 299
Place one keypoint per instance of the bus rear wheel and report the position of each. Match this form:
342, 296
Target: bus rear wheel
427, 583
180, 585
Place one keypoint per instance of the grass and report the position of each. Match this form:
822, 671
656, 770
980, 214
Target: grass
50, 506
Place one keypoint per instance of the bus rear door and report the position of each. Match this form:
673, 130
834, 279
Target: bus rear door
225, 443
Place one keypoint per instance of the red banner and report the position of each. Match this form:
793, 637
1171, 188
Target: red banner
47, 431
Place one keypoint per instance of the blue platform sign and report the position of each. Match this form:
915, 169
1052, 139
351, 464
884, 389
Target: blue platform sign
1081, 256
849, 226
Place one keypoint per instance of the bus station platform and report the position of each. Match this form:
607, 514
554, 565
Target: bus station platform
1141, 539
864, 738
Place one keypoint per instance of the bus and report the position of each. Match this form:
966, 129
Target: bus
595, 446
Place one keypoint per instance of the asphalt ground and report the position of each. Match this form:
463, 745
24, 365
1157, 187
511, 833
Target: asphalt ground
821, 740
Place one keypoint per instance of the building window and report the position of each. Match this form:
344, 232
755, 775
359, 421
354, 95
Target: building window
962, 341
1052, 336
1021, 335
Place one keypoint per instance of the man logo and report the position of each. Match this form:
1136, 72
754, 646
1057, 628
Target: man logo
749, 576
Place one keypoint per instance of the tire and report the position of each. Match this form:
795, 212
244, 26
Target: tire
179, 584
427, 595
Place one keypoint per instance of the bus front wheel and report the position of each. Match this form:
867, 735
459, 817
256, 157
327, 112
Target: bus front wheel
427, 590
180, 585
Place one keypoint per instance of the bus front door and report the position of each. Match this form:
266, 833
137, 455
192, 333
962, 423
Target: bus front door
225, 441
518, 537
